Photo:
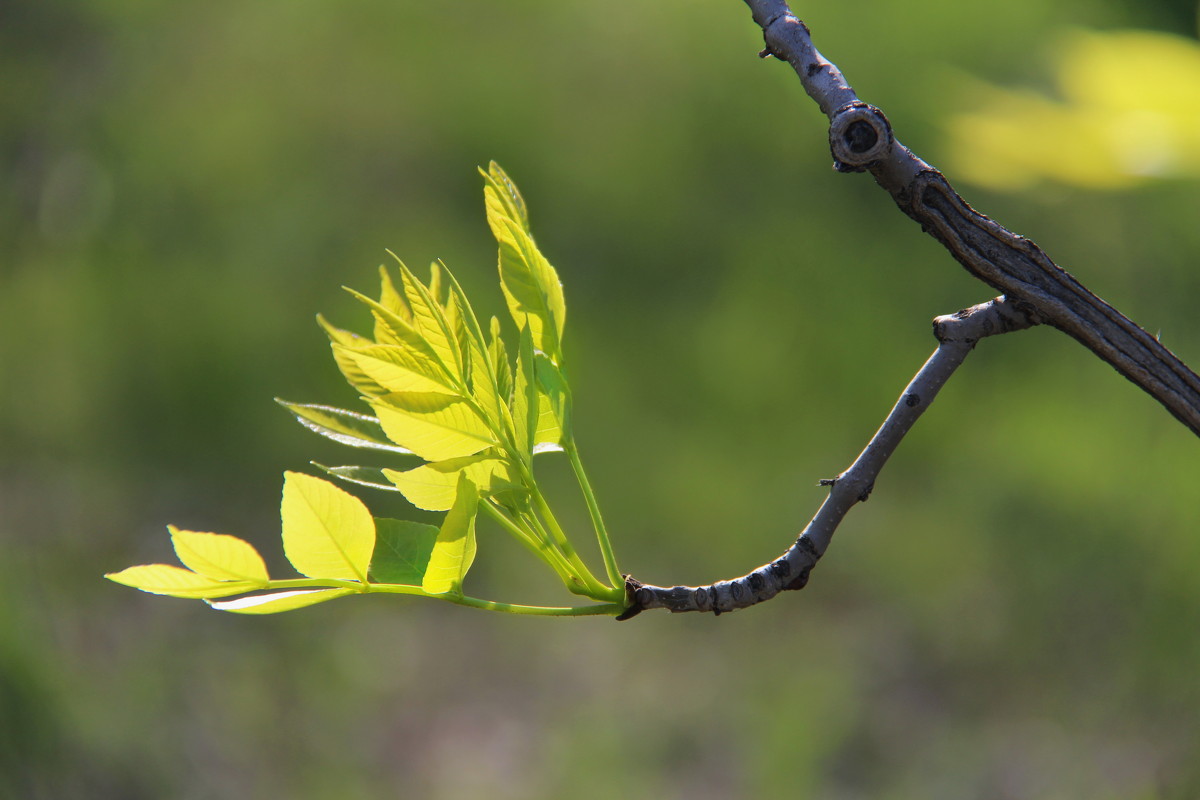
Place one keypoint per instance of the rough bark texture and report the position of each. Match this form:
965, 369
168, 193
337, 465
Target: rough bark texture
1036, 290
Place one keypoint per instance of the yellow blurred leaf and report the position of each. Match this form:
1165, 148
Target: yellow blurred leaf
1130, 111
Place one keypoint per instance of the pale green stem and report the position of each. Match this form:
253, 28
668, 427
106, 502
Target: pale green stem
606, 551
575, 580
542, 548
610, 609
595, 588
325, 583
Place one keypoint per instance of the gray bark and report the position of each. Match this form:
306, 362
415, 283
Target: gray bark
1036, 290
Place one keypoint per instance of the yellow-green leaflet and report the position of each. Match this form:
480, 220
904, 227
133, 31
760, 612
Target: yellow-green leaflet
178, 582
327, 533
218, 556
434, 486
454, 550
434, 426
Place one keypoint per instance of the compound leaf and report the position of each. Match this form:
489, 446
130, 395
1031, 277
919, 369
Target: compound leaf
327, 533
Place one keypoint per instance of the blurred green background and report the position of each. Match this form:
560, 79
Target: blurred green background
183, 186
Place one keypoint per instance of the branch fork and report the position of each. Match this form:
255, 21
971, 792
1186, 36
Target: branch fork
1035, 291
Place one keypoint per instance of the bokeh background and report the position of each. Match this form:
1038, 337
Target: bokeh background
184, 185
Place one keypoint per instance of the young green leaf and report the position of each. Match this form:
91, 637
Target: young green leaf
531, 285
276, 602
342, 426
434, 426
400, 332
553, 387
504, 195
498, 355
402, 551
390, 298
454, 549
218, 556
434, 486
525, 412
398, 368
429, 320
363, 476
327, 533
178, 582
353, 374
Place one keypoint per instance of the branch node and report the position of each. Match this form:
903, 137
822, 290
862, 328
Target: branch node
859, 136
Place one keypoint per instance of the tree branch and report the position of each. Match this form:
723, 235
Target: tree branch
1036, 290
861, 139
956, 335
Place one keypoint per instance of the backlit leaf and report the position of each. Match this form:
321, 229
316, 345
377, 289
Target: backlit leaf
351, 371
554, 409
276, 602
434, 426
505, 196
525, 410
499, 358
398, 331
433, 486
454, 550
342, 426
327, 533
429, 320
218, 556
402, 551
390, 298
363, 476
531, 286
398, 368
178, 582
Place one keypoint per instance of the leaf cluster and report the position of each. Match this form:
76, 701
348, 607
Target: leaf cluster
444, 393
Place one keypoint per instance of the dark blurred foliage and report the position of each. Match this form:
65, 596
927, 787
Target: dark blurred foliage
1014, 614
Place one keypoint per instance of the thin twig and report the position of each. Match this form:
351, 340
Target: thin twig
957, 335
1036, 290
861, 140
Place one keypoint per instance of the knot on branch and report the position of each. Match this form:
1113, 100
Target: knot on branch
859, 136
